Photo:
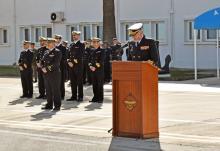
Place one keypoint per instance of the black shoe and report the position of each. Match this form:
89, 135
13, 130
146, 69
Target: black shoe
23, 96
39, 97
30, 96
92, 101
56, 109
99, 101
44, 97
71, 99
47, 108
80, 99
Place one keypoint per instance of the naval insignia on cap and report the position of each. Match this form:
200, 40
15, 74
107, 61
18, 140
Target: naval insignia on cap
51, 40
76, 33
42, 38
26, 42
134, 29
56, 36
96, 39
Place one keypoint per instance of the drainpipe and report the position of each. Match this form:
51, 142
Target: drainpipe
172, 30
15, 33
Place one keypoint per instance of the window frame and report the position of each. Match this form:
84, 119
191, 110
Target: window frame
206, 36
151, 23
2, 38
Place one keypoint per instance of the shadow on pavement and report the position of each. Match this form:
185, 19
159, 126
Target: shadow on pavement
129, 144
43, 115
70, 105
30, 102
93, 106
18, 101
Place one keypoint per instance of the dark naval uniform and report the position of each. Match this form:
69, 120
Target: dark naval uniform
107, 64
25, 62
39, 57
75, 56
145, 50
63, 68
116, 52
51, 61
96, 60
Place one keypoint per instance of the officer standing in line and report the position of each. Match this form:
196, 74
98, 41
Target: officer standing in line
75, 62
25, 66
96, 65
116, 52
34, 64
40, 53
142, 49
52, 75
63, 63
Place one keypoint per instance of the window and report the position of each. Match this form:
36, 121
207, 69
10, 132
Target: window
27, 34
99, 30
87, 32
147, 29
189, 31
211, 35
3, 36
126, 32
152, 29
159, 31
32, 33
37, 34
49, 32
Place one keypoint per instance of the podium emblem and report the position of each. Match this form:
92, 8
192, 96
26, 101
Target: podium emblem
130, 102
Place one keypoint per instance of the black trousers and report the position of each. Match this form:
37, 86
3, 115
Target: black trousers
41, 82
85, 71
27, 82
107, 71
76, 80
52, 84
62, 83
97, 85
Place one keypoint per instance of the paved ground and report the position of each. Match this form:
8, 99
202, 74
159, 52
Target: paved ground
189, 121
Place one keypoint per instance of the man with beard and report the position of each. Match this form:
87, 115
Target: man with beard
143, 49
75, 63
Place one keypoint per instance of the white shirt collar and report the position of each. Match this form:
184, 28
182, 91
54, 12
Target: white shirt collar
75, 41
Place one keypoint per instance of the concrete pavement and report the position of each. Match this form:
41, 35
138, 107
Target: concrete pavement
189, 121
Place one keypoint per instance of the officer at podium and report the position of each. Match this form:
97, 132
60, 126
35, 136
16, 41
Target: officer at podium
142, 48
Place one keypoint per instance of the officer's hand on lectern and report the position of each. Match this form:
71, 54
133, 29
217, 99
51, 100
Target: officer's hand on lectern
70, 64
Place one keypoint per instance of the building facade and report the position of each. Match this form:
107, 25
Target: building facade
169, 21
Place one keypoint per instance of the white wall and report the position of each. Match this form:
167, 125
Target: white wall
32, 12
184, 55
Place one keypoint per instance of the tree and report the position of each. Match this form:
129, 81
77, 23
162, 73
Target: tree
109, 29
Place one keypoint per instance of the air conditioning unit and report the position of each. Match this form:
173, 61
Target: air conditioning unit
57, 17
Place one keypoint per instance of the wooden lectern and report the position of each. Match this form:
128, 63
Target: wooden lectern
135, 99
